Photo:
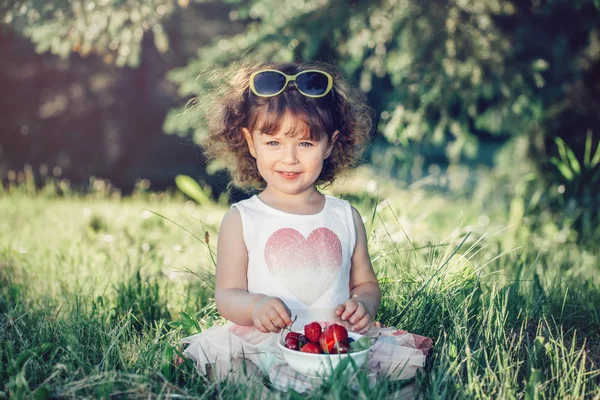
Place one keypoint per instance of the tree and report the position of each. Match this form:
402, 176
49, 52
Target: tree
112, 28
85, 113
441, 72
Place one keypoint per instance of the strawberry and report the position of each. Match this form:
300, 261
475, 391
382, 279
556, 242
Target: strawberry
325, 345
311, 348
342, 348
331, 335
312, 332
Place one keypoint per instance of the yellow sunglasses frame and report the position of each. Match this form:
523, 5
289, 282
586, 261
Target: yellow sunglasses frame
290, 78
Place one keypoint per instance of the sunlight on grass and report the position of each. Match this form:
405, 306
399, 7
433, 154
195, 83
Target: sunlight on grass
96, 290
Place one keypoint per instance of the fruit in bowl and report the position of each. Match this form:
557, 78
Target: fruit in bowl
319, 351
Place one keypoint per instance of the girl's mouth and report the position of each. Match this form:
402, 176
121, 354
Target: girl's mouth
288, 175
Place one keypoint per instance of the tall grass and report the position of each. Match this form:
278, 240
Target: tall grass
96, 290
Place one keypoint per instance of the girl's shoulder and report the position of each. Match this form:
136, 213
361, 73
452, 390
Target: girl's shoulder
251, 202
347, 208
256, 207
336, 202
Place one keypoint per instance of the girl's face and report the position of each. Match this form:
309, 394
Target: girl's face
290, 165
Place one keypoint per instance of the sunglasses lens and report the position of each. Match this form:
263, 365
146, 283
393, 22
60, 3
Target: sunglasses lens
268, 83
312, 83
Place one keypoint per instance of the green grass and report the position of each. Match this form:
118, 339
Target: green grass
96, 290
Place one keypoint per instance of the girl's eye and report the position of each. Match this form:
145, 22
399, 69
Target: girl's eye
306, 144
272, 143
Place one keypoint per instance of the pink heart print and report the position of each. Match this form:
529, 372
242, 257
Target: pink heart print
306, 267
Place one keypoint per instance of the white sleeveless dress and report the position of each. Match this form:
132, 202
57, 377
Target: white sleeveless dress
304, 260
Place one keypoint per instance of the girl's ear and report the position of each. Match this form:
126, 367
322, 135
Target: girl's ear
334, 137
249, 141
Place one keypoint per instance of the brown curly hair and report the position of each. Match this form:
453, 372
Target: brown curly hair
235, 107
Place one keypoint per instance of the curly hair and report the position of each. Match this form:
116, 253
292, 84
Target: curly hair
235, 107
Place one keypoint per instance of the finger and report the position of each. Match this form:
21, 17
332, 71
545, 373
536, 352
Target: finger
260, 326
271, 314
275, 319
283, 313
278, 321
346, 325
340, 309
285, 318
350, 309
366, 329
361, 325
269, 325
358, 315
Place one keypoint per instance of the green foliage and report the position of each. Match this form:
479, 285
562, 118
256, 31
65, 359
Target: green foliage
579, 184
572, 170
141, 301
10, 291
559, 193
110, 28
512, 310
193, 190
437, 71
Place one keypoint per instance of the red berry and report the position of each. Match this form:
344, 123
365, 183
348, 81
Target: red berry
302, 340
325, 345
311, 348
342, 348
295, 335
338, 331
331, 335
312, 331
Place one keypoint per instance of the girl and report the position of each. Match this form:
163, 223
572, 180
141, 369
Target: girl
290, 251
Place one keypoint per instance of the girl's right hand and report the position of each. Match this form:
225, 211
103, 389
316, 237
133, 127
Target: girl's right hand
270, 315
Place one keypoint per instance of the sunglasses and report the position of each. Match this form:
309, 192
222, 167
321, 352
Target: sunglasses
271, 82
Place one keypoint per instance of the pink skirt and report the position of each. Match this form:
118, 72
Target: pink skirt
231, 349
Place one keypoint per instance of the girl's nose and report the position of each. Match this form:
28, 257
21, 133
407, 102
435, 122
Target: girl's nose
289, 155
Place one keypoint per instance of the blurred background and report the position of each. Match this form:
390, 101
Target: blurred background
113, 89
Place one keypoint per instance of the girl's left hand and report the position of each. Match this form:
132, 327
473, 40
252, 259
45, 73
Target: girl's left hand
356, 313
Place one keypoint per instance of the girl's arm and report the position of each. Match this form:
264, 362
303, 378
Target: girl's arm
365, 295
234, 303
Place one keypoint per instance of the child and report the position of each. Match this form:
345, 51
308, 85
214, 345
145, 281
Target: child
290, 251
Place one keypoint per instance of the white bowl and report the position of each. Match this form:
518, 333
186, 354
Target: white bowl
321, 364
